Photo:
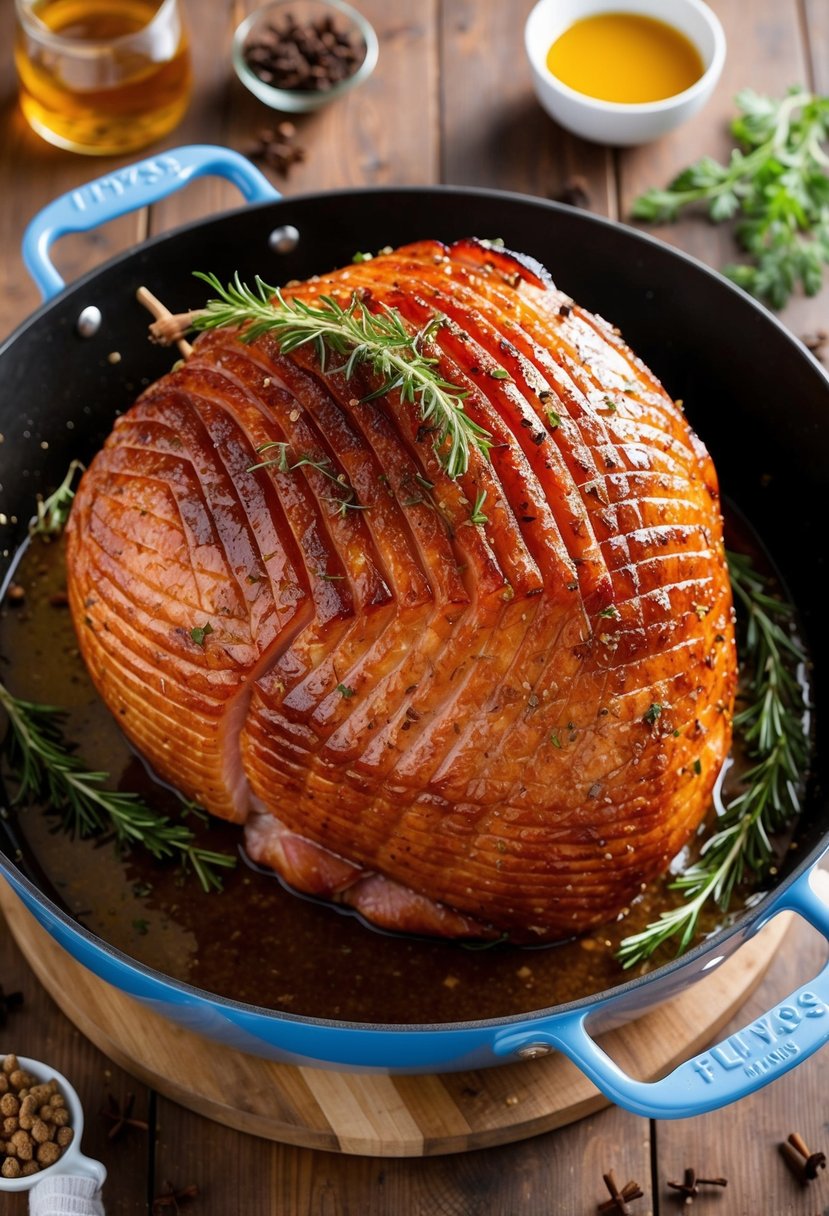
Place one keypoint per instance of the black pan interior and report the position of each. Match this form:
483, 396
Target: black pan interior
757, 398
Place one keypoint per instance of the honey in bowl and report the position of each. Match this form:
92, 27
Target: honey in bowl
99, 77
625, 57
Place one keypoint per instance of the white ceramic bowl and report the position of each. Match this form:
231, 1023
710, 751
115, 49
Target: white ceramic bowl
72, 1162
613, 122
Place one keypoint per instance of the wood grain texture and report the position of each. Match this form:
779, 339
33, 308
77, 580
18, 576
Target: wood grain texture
742, 1142
493, 132
374, 1115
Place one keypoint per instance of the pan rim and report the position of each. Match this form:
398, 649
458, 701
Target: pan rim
746, 922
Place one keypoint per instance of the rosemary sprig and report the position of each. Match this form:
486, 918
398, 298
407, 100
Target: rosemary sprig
47, 771
348, 502
53, 512
379, 340
774, 729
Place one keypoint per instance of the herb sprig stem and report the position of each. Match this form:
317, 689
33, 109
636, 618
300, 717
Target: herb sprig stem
773, 727
379, 340
46, 770
775, 185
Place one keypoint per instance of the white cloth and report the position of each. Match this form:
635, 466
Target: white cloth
66, 1195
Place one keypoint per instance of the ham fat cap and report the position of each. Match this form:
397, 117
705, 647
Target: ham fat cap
456, 727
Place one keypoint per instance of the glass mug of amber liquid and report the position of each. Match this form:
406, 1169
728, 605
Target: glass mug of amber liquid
102, 76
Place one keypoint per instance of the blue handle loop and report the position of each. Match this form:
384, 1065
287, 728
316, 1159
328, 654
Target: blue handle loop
745, 1062
124, 190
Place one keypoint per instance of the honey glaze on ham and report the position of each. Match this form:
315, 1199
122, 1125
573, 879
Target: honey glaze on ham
455, 727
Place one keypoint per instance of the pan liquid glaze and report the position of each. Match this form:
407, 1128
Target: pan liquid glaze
257, 941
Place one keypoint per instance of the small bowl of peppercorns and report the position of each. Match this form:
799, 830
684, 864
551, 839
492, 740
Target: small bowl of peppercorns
297, 55
41, 1124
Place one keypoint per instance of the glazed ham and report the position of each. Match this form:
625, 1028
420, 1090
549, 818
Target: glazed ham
494, 704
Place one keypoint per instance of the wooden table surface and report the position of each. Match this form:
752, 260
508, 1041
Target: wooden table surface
450, 101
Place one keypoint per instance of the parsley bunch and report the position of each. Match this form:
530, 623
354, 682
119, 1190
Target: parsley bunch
775, 185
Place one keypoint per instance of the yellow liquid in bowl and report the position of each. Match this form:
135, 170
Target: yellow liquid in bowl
625, 57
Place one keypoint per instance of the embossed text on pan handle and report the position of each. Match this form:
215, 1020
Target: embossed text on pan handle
744, 1062
128, 189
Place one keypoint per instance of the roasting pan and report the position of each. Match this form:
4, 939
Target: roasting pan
753, 392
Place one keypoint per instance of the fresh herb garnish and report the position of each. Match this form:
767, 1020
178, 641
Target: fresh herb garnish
53, 512
774, 729
200, 632
47, 771
610, 613
477, 516
553, 419
652, 713
345, 691
775, 184
379, 340
348, 502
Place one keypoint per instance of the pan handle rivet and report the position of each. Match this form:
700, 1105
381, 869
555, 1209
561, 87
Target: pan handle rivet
283, 240
89, 322
534, 1051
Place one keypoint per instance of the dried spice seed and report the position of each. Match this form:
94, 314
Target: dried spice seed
278, 148
689, 1187
121, 1117
169, 1199
803, 1163
619, 1199
35, 1126
309, 57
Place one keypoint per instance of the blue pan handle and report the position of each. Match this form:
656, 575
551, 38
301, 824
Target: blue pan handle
124, 190
746, 1061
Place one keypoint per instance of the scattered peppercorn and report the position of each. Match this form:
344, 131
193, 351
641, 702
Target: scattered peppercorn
277, 148
311, 56
35, 1125
574, 193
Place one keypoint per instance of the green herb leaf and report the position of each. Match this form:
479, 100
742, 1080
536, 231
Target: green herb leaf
200, 632
378, 340
53, 512
48, 772
774, 730
345, 691
652, 713
775, 185
477, 516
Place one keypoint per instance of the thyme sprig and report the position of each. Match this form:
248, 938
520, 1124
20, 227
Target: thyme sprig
47, 771
344, 503
775, 185
773, 727
378, 340
53, 512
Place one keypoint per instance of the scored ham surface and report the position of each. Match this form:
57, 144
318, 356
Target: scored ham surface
454, 724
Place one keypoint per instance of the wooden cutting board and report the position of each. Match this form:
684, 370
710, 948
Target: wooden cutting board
373, 1115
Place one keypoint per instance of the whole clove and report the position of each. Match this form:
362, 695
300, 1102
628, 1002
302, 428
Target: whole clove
311, 56
171, 1199
816, 342
689, 1187
803, 1163
121, 1117
619, 1199
575, 193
